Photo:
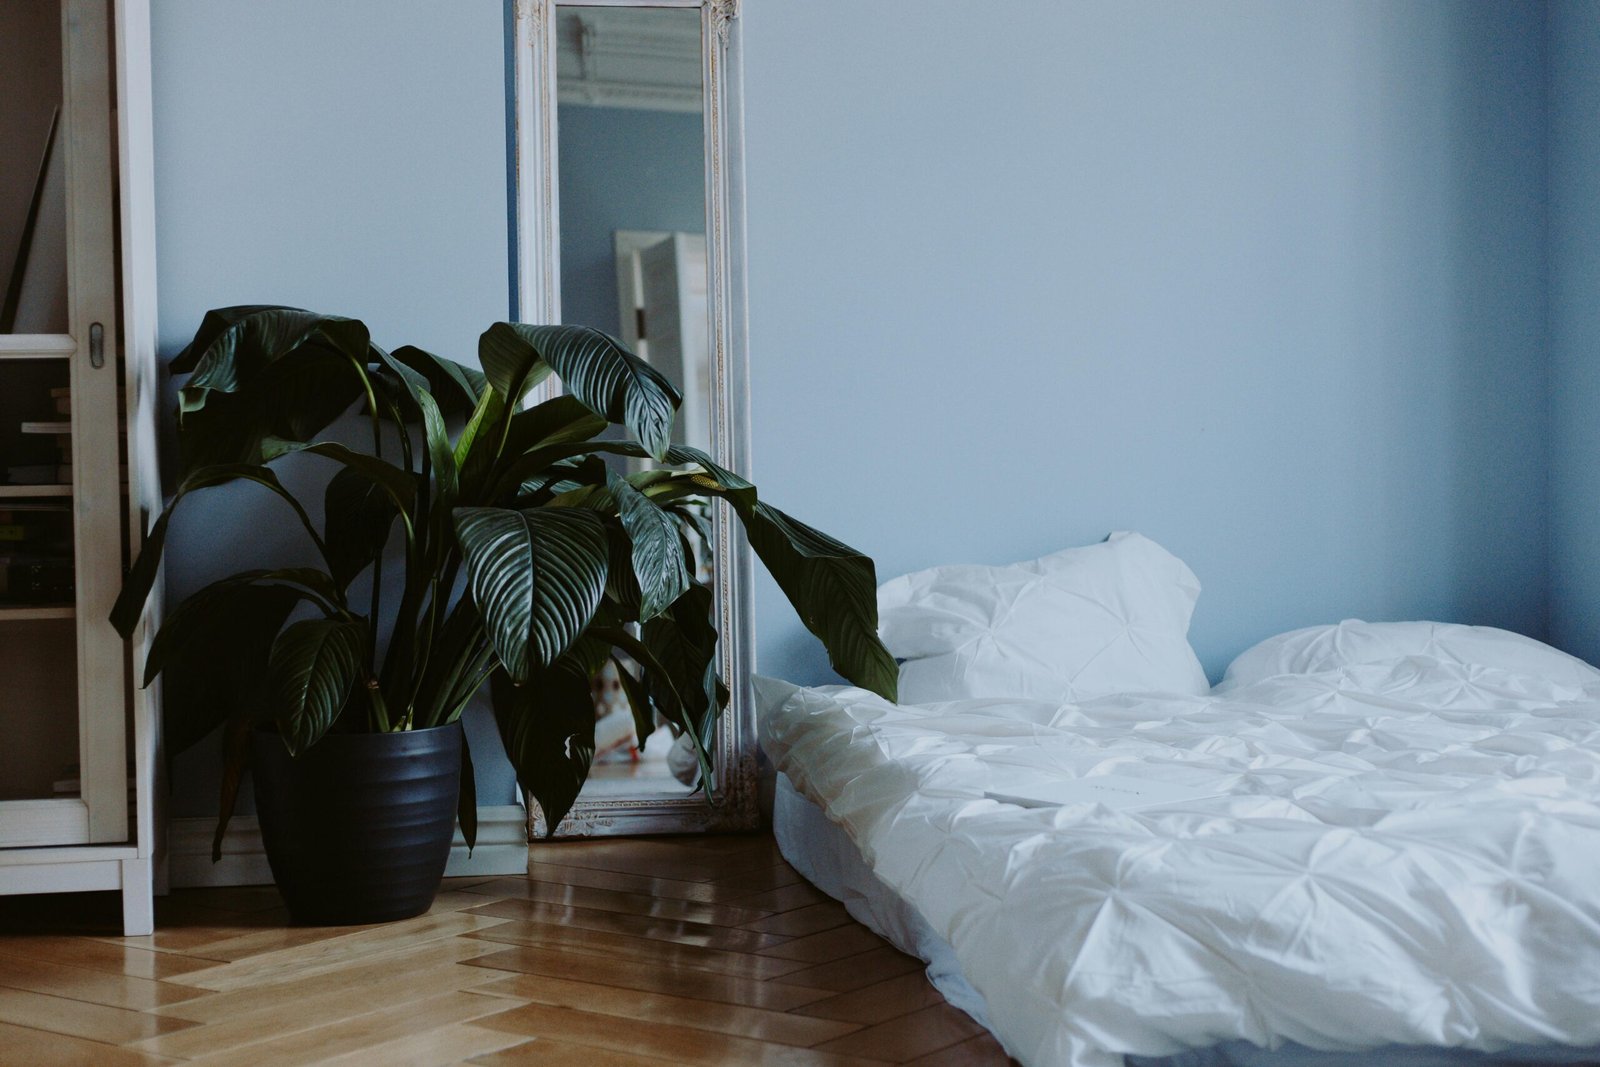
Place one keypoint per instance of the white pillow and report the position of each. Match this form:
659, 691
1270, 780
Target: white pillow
1086, 622
1353, 642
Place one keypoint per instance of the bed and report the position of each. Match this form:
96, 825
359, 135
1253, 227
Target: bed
1390, 850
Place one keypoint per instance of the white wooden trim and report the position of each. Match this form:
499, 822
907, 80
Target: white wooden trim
735, 789
38, 613
46, 821
102, 814
537, 207
64, 854
135, 135
37, 346
43, 871
97, 485
7, 491
502, 849
138, 898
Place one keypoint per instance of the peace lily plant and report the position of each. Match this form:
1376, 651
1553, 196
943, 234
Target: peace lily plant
529, 563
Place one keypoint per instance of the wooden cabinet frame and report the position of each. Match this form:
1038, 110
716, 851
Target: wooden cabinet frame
98, 840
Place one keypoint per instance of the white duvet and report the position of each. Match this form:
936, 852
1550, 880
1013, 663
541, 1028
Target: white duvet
1404, 851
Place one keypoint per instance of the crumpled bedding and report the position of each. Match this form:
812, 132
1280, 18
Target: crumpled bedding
1394, 852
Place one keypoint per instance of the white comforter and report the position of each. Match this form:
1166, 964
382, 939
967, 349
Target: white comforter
1404, 852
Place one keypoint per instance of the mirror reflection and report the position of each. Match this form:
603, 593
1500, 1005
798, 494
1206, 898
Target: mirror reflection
33, 203
632, 184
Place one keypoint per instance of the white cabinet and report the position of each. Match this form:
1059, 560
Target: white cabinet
78, 739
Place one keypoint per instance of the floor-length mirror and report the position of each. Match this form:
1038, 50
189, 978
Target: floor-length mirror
640, 218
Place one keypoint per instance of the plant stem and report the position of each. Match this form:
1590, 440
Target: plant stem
380, 712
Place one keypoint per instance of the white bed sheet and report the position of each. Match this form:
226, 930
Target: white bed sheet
1405, 853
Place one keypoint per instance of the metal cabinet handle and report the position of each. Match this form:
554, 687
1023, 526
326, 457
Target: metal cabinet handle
97, 345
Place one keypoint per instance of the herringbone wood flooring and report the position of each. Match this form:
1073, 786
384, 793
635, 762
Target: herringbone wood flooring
643, 951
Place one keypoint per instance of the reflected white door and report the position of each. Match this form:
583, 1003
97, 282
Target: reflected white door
672, 277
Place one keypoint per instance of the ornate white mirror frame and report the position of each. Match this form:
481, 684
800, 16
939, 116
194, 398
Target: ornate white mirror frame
536, 260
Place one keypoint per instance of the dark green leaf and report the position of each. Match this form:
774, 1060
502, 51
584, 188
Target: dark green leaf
593, 367
456, 387
359, 513
467, 801
644, 712
313, 665
213, 652
684, 642
440, 452
547, 726
536, 576
260, 371
658, 563
136, 587
235, 760
399, 485
833, 589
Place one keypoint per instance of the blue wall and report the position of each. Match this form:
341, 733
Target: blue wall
621, 169
1574, 182
347, 157
1261, 280
1265, 281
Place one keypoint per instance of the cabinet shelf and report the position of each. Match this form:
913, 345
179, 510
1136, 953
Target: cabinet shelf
37, 346
35, 612
14, 491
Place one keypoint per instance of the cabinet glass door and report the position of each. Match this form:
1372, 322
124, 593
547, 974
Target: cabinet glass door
63, 777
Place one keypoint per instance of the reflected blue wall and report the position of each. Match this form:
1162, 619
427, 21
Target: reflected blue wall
621, 169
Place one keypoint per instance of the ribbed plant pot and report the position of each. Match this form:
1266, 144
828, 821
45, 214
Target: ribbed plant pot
358, 828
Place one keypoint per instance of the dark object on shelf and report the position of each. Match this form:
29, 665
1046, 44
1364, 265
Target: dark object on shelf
358, 827
36, 581
19, 269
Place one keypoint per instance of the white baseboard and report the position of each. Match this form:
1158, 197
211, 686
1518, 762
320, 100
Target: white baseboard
502, 849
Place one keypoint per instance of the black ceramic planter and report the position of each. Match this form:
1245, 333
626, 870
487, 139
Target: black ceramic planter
358, 828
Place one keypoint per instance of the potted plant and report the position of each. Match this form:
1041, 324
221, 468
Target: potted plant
528, 565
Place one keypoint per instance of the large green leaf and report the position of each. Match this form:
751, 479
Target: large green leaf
683, 643
658, 563
593, 367
536, 576
358, 516
456, 387
235, 761
672, 693
440, 452
259, 371
639, 702
210, 609
313, 664
399, 485
467, 798
547, 726
833, 589
213, 653
499, 436
136, 586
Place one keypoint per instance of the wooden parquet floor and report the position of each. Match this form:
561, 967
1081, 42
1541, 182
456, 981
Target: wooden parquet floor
636, 952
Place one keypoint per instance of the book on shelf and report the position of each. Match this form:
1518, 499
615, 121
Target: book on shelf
54, 426
34, 474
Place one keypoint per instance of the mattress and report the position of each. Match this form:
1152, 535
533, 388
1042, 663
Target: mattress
1394, 862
